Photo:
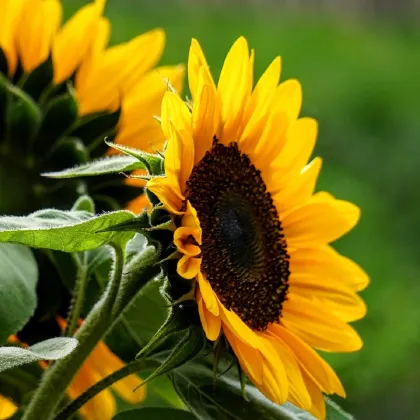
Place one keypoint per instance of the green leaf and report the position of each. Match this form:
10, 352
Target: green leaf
104, 166
18, 279
67, 231
152, 162
136, 318
211, 396
52, 349
154, 413
335, 412
84, 203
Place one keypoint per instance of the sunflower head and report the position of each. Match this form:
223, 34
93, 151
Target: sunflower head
251, 234
62, 91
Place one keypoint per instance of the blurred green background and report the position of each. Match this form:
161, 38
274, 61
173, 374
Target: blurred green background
359, 63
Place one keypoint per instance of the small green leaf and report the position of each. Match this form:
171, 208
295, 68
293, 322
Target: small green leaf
152, 162
154, 413
52, 349
18, 279
84, 203
67, 231
107, 165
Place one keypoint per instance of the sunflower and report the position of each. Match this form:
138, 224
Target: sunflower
62, 90
101, 363
252, 234
7, 408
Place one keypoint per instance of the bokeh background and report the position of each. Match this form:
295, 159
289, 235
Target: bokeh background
359, 63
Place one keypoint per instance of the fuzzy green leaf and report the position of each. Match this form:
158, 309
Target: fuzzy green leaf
18, 279
52, 349
68, 231
104, 166
210, 394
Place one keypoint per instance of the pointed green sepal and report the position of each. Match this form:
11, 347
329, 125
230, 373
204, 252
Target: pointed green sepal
23, 118
93, 128
39, 79
59, 115
152, 162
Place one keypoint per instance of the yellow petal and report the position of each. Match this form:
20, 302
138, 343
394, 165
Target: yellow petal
298, 190
332, 295
92, 59
234, 87
39, 23
10, 13
119, 69
179, 155
313, 364
7, 408
258, 108
318, 327
73, 41
319, 222
327, 263
103, 405
208, 295
105, 363
168, 193
196, 61
182, 241
238, 327
318, 409
188, 267
145, 99
205, 115
211, 323
249, 358
297, 387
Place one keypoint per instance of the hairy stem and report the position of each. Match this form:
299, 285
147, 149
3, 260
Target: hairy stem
58, 377
78, 297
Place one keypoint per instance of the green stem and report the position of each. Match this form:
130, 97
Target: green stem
128, 369
58, 377
78, 296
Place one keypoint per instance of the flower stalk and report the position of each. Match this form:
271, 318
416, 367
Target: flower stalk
57, 378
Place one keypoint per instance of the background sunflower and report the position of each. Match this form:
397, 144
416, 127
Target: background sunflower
359, 72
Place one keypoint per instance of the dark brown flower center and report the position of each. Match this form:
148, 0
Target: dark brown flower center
244, 252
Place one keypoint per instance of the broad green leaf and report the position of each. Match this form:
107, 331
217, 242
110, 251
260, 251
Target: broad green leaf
107, 165
136, 318
68, 231
154, 413
52, 349
18, 279
211, 396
